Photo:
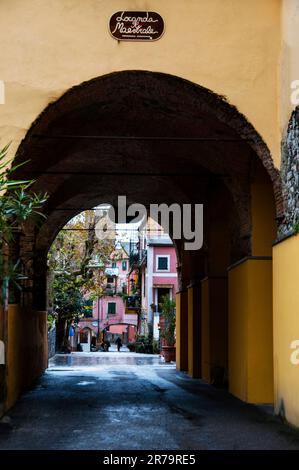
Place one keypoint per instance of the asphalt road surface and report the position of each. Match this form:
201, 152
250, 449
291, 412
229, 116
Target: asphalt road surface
134, 401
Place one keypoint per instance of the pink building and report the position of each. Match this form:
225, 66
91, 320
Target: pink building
160, 278
108, 313
157, 267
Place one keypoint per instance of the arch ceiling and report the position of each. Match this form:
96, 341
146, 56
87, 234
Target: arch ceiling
150, 136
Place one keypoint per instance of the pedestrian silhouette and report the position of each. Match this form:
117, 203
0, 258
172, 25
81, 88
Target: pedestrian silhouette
118, 343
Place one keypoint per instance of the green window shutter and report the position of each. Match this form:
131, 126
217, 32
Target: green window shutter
163, 263
111, 308
124, 265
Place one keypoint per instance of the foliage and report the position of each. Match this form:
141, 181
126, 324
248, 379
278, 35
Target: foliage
17, 204
167, 307
124, 296
69, 300
156, 347
134, 289
51, 321
144, 344
87, 310
77, 261
131, 346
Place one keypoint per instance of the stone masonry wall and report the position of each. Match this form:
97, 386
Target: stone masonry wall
290, 175
52, 342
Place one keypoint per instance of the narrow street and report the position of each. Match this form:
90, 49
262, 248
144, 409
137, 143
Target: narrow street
134, 401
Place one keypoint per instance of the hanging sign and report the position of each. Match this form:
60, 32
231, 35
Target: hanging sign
136, 26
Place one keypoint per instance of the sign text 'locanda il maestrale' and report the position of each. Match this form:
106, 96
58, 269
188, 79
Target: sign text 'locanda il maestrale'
136, 26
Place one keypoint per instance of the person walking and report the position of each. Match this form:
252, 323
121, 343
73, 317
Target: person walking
118, 343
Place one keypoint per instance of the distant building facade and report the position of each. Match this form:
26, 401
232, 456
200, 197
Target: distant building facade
154, 259
107, 316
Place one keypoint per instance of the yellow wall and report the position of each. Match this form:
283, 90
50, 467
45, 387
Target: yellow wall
237, 331
27, 345
205, 331
231, 47
194, 331
286, 327
263, 214
191, 338
250, 331
289, 63
13, 356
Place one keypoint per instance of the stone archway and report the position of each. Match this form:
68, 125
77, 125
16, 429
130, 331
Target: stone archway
158, 138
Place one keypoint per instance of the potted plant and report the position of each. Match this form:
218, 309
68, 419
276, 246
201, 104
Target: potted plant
131, 346
167, 328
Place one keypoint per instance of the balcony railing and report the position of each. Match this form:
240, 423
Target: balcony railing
109, 291
137, 258
134, 259
133, 304
111, 272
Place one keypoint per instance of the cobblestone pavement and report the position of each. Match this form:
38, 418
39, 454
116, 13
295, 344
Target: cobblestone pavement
134, 401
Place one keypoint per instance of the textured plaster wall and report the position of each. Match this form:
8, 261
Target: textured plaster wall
286, 328
289, 64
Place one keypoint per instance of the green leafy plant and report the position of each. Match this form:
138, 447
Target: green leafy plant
134, 289
156, 347
17, 204
51, 321
124, 296
167, 308
131, 346
144, 344
77, 261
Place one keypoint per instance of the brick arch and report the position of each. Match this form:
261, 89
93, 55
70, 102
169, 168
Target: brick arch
102, 132
165, 93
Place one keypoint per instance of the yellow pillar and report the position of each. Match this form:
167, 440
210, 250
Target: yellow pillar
14, 357
194, 331
286, 328
214, 329
250, 330
27, 351
182, 330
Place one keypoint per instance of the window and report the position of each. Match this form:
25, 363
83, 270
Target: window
113, 264
110, 280
87, 309
162, 263
111, 308
124, 265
